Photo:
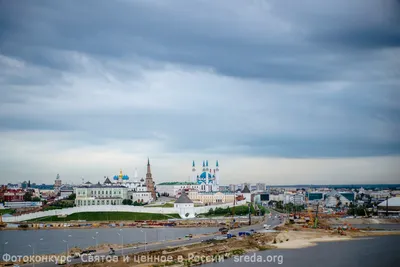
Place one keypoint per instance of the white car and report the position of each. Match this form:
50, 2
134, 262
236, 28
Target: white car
267, 226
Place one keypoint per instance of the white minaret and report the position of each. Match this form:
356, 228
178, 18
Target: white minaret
207, 181
217, 173
194, 176
135, 177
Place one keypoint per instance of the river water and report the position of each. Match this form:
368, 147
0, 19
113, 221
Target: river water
16, 242
366, 252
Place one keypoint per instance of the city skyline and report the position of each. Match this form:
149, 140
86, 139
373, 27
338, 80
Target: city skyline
306, 95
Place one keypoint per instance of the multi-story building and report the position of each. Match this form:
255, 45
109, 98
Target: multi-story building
140, 196
276, 197
173, 189
260, 187
232, 187
211, 197
98, 194
296, 199
11, 195
66, 191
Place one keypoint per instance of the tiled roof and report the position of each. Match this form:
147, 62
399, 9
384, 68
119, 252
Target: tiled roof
183, 199
246, 190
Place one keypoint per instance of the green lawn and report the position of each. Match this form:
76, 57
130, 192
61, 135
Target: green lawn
109, 216
166, 205
5, 211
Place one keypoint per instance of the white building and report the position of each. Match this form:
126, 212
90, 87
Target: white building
97, 194
211, 197
334, 199
232, 187
260, 187
276, 197
296, 199
66, 191
185, 207
173, 189
140, 196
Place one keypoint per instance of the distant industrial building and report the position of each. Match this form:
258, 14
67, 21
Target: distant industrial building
312, 196
232, 187
392, 205
260, 187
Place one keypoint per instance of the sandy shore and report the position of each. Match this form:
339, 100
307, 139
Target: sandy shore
302, 239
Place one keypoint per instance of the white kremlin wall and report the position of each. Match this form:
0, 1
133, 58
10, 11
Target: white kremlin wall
111, 208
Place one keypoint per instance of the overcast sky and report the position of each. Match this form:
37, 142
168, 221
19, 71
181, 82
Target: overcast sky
280, 92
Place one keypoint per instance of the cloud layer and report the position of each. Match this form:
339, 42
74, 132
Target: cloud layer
90, 87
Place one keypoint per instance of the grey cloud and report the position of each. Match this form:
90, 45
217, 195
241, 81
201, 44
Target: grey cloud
163, 33
360, 119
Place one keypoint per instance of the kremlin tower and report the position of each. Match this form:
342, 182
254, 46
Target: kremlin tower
149, 181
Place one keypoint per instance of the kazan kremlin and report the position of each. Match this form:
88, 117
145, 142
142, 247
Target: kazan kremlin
203, 188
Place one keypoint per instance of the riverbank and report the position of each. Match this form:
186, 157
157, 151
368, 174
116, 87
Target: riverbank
214, 250
172, 222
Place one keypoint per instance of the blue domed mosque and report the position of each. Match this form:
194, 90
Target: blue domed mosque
208, 176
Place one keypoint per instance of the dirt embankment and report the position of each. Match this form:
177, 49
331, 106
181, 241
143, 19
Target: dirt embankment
296, 236
363, 221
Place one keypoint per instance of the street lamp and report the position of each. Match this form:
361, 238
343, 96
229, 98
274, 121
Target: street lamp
66, 252
95, 238
4, 247
145, 240
122, 240
33, 254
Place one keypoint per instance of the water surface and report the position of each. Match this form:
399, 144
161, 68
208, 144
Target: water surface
51, 241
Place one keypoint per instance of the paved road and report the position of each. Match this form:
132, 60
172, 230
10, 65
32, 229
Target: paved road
149, 247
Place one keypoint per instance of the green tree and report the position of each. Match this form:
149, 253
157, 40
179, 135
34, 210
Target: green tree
28, 196
127, 202
210, 211
72, 196
36, 199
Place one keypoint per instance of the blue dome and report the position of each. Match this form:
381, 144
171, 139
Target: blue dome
204, 175
115, 177
125, 177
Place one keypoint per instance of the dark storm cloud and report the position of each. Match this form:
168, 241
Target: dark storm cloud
127, 28
315, 43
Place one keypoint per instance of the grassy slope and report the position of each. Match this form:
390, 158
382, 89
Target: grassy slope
108, 216
5, 211
166, 205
